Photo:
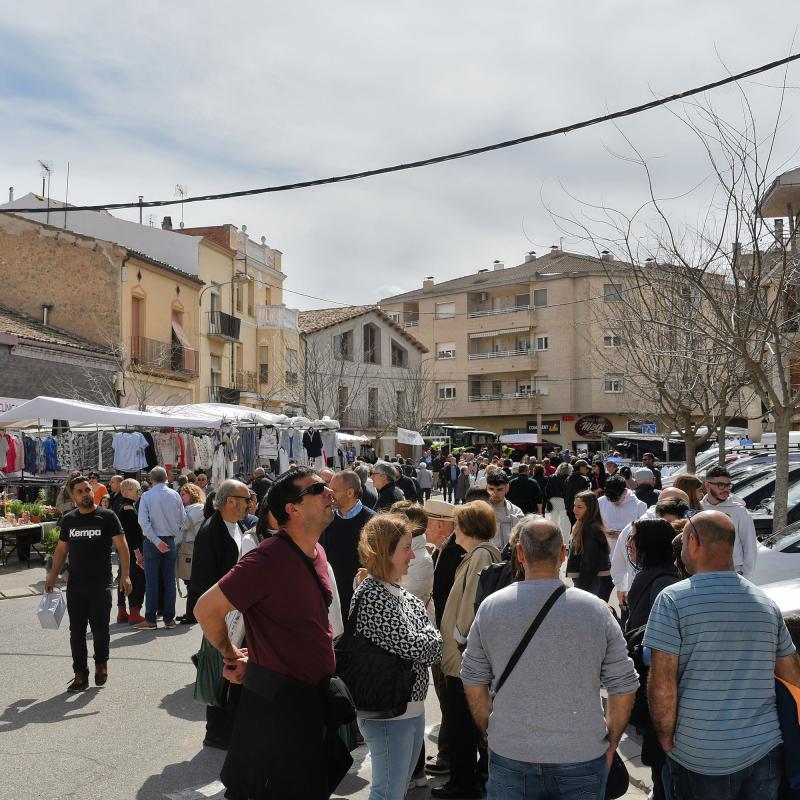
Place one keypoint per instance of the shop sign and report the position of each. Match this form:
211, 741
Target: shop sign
550, 427
569, 418
592, 426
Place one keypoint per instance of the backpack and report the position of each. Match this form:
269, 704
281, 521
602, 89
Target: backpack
494, 576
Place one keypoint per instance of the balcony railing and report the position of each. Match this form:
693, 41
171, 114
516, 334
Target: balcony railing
504, 396
500, 354
278, 317
246, 381
371, 419
490, 312
223, 325
411, 323
223, 394
151, 354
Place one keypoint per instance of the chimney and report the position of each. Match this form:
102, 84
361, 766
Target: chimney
530, 256
427, 284
606, 256
554, 249
497, 264
10, 194
46, 309
779, 231
166, 223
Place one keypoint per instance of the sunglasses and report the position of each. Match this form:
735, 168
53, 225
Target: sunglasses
316, 488
724, 485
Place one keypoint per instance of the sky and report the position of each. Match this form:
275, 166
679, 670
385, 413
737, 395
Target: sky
218, 97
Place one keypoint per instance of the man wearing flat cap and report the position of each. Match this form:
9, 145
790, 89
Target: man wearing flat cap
645, 483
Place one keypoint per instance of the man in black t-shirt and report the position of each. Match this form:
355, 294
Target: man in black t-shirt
87, 534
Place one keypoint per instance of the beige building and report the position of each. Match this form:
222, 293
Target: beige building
250, 341
140, 311
516, 347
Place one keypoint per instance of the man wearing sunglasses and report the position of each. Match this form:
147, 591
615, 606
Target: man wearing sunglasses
718, 497
283, 591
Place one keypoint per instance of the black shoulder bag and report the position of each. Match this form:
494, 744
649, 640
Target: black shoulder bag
380, 681
340, 708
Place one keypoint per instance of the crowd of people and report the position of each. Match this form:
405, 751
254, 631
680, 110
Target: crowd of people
454, 588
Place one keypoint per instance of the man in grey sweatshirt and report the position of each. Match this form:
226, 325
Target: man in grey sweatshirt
546, 726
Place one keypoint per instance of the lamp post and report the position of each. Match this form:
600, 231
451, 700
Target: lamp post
239, 277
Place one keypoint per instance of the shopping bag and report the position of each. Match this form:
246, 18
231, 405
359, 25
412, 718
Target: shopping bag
51, 609
208, 686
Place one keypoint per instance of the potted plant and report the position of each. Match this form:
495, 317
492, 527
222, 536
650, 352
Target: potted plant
15, 507
35, 510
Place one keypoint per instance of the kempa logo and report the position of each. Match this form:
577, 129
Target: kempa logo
88, 533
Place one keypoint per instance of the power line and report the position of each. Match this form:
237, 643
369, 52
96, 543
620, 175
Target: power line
353, 176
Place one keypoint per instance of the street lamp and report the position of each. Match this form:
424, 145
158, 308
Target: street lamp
239, 277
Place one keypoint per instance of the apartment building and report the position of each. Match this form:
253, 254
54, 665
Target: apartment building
514, 349
251, 342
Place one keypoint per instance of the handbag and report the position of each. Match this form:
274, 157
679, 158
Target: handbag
208, 686
618, 779
379, 681
183, 562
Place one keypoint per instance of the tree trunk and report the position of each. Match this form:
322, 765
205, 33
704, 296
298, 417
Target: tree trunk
783, 424
723, 422
691, 453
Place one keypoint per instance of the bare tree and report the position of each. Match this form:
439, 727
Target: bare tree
743, 273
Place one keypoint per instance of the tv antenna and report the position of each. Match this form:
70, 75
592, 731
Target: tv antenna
47, 173
151, 220
181, 190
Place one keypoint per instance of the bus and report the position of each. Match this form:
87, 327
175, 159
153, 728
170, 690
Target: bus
460, 435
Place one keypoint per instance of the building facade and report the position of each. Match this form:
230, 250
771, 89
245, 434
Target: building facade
365, 370
514, 349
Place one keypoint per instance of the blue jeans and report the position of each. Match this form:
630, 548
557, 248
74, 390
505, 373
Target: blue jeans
394, 746
159, 567
520, 780
759, 781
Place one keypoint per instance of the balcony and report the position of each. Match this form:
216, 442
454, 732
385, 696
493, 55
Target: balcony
223, 326
473, 398
246, 382
500, 354
223, 394
277, 318
151, 355
371, 419
494, 311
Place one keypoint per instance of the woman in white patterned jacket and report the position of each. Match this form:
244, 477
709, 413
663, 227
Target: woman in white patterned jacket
395, 620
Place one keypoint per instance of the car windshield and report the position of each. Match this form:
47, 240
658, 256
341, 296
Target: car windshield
777, 538
749, 493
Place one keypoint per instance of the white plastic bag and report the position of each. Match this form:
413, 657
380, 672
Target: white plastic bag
51, 609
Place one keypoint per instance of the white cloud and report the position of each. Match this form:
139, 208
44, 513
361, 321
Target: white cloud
260, 94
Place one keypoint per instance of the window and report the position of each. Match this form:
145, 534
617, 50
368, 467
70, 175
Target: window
399, 355
613, 384
343, 346
401, 403
238, 295
539, 298
445, 350
445, 310
291, 367
524, 389
475, 387
542, 342
263, 364
394, 316
612, 340
522, 300
523, 344
372, 344
541, 387
497, 388
448, 392
250, 289
612, 292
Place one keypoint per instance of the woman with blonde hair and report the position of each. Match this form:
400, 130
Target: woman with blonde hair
589, 561
395, 620
693, 486
193, 499
475, 526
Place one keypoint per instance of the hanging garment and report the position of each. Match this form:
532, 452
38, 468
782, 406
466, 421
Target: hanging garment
10, 453
107, 450
150, 457
166, 448
51, 455
30, 465
19, 454
129, 448
312, 442
283, 460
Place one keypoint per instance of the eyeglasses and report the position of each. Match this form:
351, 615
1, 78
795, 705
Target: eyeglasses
241, 496
723, 485
316, 488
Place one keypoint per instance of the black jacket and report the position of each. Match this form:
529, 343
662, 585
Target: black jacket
369, 497
645, 588
409, 487
524, 491
593, 559
555, 486
574, 484
647, 494
388, 496
215, 554
445, 563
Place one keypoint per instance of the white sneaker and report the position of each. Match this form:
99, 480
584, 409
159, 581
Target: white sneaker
417, 783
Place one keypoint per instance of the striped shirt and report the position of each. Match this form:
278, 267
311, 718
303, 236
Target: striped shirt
727, 634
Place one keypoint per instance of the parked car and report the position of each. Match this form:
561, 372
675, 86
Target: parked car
777, 569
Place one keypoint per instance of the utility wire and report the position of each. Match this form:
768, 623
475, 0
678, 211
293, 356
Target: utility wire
353, 176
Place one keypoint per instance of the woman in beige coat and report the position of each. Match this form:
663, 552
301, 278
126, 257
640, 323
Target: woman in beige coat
475, 525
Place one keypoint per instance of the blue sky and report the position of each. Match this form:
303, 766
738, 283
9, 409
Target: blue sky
141, 97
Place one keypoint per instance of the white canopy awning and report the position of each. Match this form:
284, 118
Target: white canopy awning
46, 409
228, 412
